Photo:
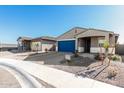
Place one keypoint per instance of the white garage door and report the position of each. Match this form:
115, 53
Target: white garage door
46, 46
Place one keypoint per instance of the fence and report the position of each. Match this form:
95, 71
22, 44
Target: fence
119, 49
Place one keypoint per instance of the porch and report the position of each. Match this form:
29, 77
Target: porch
93, 44
24, 45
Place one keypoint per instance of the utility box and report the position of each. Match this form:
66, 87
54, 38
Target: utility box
68, 57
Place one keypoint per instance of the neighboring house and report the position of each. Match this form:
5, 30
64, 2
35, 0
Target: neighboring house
86, 40
36, 44
43, 43
8, 47
24, 43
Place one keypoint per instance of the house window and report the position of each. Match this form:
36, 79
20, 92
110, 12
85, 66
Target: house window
101, 42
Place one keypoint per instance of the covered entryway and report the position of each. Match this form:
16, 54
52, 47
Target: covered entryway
87, 44
66, 46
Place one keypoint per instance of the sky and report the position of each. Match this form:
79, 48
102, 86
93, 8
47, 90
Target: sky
36, 21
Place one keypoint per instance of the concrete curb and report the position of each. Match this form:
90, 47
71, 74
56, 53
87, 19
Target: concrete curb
25, 80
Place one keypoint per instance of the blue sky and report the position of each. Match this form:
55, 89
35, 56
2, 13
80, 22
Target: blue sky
35, 21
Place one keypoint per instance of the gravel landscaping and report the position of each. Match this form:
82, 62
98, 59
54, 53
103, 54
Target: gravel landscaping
118, 80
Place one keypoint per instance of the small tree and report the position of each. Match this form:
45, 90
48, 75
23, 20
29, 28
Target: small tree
106, 46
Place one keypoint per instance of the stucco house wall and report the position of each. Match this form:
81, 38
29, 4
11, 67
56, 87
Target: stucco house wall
42, 45
35, 45
80, 45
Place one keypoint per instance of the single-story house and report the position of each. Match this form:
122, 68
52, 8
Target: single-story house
24, 43
36, 44
86, 40
43, 43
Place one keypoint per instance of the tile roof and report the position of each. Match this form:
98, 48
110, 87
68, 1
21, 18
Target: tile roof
83, 30
24, 38
45, 37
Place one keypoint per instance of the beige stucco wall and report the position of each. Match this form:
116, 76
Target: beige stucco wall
80, 42
34, 46
80, 45
101, 50
94, 41
49, 45
112, 40
42, 45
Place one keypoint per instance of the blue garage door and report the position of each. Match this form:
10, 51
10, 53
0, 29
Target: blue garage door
66, 46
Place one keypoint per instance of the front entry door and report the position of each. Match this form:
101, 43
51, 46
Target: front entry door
87, 44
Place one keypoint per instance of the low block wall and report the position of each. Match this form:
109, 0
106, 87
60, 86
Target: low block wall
80, 49
120, 49
98, 50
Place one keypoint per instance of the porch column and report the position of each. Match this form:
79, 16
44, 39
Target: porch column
76, 43
107, 37
57, 46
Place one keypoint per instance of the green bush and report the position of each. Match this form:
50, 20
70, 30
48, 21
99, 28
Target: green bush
106, 44
116, 58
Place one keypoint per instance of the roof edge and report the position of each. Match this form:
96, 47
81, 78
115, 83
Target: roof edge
71, 30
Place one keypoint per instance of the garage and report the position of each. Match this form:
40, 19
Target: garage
66, 46
47, 46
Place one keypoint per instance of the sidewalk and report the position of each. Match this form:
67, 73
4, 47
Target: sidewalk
57, 78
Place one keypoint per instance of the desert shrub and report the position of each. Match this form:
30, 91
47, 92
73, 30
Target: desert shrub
116, 58
68, 61
112, 72
99, 56
76, 53
106, 44
46, 50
